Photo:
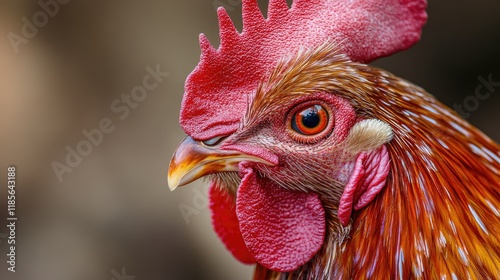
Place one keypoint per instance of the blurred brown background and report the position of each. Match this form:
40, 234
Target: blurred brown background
114, 210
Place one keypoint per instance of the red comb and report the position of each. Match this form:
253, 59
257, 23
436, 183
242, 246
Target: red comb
216, 92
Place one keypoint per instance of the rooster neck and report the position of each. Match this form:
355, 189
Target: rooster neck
443, 225
439, 214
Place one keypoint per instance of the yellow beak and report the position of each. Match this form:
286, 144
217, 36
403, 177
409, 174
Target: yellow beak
193, 160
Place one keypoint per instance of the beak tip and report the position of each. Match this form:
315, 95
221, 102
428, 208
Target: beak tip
171, 185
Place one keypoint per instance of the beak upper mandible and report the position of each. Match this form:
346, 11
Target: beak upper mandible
193, 160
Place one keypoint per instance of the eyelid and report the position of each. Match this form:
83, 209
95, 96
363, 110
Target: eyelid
214, 141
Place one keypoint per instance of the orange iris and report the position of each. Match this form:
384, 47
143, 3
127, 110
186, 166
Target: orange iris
310, 120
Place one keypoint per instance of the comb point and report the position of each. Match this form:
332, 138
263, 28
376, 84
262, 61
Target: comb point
276, 8
227, 30
252, 14
205, 46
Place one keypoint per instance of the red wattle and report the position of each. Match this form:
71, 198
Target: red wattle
226, 224
282, 229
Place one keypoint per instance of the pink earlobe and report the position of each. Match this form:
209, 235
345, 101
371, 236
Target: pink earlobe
367, 180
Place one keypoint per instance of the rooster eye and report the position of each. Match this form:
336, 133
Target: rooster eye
309, 122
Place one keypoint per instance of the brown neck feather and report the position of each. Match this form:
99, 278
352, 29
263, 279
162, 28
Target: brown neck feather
439, 214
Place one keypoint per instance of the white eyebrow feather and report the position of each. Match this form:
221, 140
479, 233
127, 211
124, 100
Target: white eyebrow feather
368, 135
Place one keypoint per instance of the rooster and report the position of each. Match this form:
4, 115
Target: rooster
323, 167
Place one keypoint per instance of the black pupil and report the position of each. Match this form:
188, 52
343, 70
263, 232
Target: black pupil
310, 118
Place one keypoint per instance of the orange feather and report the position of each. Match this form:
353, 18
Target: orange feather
439, 214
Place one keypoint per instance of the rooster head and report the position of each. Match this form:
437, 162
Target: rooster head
274, 122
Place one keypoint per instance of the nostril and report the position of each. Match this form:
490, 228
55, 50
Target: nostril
214, 141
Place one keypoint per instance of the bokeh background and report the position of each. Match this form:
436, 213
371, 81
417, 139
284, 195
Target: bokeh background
114, 211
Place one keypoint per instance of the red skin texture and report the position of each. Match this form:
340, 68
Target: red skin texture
277, 224
367, 180
226, 224
216, 92
270, 223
